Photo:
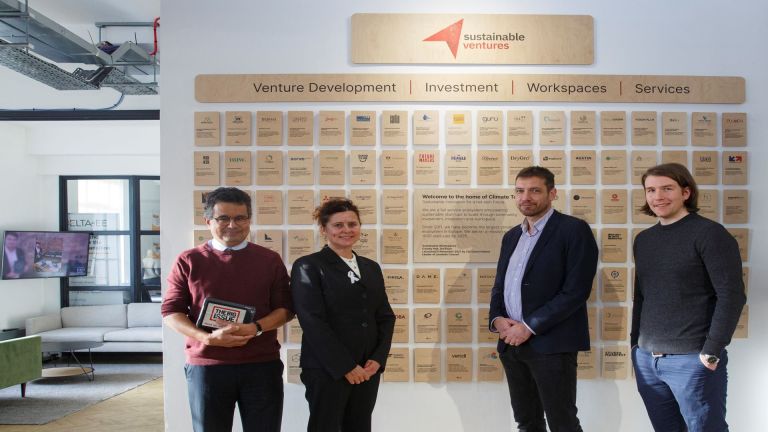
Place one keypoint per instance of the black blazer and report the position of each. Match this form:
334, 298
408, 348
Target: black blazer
21, 263
344, 323
555, 286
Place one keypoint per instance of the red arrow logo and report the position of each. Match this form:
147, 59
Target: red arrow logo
449, 35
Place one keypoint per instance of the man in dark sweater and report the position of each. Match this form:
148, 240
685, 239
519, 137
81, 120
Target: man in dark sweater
688, 298
236, 363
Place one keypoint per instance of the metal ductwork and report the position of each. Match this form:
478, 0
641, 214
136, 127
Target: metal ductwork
24, 31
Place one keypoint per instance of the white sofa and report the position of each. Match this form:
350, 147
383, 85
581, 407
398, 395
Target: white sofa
135, 327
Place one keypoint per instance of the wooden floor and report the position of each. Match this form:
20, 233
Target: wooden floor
140, 409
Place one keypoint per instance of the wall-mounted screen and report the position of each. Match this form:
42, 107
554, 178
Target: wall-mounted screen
44, 254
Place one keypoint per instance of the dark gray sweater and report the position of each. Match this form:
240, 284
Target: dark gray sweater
688, 287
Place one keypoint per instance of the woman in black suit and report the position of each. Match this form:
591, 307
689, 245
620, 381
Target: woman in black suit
343, 309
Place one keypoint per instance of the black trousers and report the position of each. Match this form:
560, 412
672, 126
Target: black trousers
541, 384
337, 405
256, 388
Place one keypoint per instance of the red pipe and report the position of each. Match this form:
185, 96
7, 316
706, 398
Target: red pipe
155, 25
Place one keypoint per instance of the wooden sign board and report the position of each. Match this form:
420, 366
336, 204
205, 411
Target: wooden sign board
463, 88
456, 225
398, 366
207, 129
472, 39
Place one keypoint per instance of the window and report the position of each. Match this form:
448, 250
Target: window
122, 213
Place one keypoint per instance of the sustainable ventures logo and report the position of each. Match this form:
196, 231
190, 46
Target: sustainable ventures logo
483, 41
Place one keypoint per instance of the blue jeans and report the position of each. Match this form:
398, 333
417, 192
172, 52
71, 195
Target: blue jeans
679, 391
257, 388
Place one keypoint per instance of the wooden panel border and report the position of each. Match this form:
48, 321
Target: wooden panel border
469, 88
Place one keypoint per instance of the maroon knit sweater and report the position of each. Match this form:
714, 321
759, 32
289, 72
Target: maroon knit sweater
253, 276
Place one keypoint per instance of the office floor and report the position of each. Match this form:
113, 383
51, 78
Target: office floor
140, 409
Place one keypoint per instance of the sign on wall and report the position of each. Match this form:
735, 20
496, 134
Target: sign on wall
458, 225
472, 39
467, 88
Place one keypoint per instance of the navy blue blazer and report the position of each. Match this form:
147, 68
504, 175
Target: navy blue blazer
556, 284
344, 323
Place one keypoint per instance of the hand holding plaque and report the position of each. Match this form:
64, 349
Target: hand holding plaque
219, 313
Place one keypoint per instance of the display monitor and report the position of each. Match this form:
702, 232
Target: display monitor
45, 254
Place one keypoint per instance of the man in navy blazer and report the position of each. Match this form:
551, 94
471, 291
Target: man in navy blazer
538, 305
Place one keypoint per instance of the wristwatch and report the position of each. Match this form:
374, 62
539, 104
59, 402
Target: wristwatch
259, 330
711, 358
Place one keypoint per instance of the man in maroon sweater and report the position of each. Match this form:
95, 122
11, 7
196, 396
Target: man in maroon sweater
237, 363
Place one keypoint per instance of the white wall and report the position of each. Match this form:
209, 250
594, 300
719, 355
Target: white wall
34, 155
656, 37
20, 187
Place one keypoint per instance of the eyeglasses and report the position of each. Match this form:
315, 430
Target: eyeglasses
226, 220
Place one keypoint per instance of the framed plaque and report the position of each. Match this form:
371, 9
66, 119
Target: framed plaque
613, 167
583, 128
488, 365
237, 168
362, 128
616, 363
207, 171
674, 129
402, 325
614, 206
490, 167
238, 128
459, 325
554, 160
207, 129
458, 167
394, 128
644, 128
519, 127
458, 362
613, 128
366, 202
426, 167
704, 129
426, 365
269, 128
331, 126
427, 325
734, 129
398, 366
586, 364
301, 125
394, 167
517, 159
426, 126
552, 129
332, 168
458, 128
362, 167
269, 167
490, 128
583, 167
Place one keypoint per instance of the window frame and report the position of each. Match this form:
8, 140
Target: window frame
136, 288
